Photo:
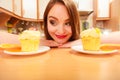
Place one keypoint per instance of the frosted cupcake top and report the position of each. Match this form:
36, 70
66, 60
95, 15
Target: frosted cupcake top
30, 34
94, 32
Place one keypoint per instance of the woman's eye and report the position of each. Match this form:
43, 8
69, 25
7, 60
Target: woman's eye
52, 22
68, 24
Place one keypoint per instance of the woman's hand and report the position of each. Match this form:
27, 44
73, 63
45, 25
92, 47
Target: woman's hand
72, 43
50, 43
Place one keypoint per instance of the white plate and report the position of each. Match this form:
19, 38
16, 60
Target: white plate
80, 49
41, 50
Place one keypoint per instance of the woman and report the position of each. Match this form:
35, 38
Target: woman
61, 23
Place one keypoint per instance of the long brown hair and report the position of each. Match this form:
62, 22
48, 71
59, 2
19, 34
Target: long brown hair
73, 14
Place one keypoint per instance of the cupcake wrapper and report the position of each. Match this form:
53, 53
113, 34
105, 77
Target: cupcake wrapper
29, 45
91, 44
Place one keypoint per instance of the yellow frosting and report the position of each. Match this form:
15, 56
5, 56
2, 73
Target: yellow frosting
94, 32
30, 34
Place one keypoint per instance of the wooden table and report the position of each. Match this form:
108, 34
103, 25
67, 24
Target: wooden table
60, 64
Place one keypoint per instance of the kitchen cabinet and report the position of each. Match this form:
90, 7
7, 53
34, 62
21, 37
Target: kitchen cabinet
42, 6
7, 4
22, 9
29, 9
85, 7
34, 9
114, 22
17, 7
102, 9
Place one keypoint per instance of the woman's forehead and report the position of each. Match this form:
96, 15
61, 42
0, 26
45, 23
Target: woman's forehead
59, 11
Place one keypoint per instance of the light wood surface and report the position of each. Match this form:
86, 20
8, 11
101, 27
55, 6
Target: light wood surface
60, 64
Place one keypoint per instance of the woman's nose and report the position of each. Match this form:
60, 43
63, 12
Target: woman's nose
61, 29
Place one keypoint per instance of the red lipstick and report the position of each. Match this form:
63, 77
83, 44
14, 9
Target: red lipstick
61, 36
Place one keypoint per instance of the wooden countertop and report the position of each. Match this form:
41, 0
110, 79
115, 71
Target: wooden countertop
60, 64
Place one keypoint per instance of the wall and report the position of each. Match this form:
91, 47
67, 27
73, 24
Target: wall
114, 22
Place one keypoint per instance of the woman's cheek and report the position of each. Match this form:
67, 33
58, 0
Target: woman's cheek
69, 30
51, 29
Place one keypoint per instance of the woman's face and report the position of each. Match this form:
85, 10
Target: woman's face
58, 23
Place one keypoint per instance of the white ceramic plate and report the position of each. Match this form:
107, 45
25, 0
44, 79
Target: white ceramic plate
80, 49
41, 50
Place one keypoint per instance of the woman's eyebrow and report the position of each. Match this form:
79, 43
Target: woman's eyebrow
68, 19
52, 17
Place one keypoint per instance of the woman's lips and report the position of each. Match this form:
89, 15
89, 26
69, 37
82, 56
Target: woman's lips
61, 36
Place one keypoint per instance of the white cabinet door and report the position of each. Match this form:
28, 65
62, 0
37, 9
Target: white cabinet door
42, 7
7, 4
103, 8
17, 7
29, 8
84, 5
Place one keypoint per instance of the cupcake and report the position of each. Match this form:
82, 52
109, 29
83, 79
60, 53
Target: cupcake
91, 39
29, 40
